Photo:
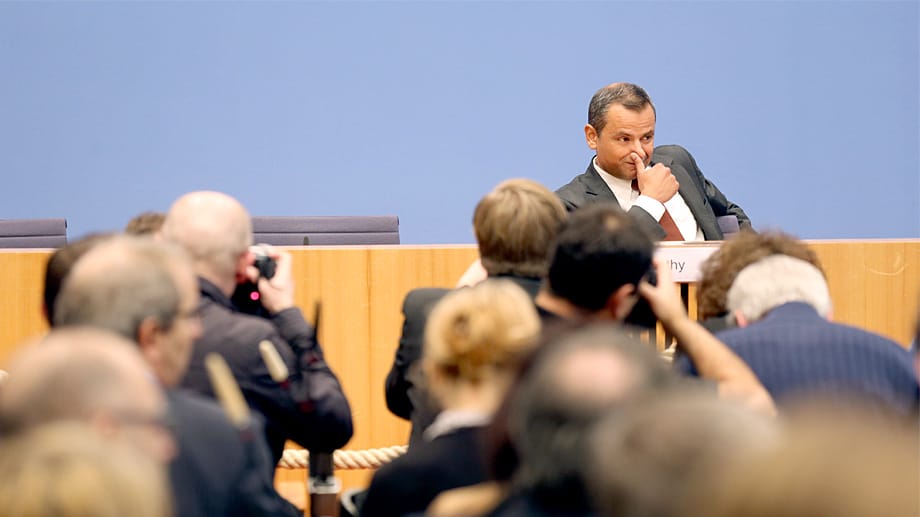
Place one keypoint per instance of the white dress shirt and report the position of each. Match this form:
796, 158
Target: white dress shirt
676, 206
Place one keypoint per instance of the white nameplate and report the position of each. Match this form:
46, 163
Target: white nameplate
685, 258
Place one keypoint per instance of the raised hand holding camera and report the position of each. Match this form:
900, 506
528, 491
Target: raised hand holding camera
276, 291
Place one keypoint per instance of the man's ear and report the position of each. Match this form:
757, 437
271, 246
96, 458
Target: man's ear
243, 262
148, 337
622, 301
741, 319
591, 136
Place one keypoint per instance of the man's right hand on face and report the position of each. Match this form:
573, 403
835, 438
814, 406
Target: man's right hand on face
656, 182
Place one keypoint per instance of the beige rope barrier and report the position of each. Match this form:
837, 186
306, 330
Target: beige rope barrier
344, 460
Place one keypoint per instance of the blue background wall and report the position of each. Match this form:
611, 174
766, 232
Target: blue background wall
805, 113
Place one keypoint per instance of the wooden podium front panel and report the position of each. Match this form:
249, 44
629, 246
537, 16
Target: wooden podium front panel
874, 285
22, 281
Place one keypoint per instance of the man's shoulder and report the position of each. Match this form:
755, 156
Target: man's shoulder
582, 187
796, 327
671, 151
220, 320
203, 425
421, 299
580, 182
203, 411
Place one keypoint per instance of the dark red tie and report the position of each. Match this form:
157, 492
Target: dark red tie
666, 222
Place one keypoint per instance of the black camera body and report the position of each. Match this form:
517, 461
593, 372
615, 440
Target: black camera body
642, 314
246, 298
265, 264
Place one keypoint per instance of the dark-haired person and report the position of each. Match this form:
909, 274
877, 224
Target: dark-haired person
598, 271
662, 188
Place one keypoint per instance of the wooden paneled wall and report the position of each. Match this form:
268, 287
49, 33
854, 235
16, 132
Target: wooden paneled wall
874, 285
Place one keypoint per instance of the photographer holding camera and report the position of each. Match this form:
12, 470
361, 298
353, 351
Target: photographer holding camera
600, 269
310, 407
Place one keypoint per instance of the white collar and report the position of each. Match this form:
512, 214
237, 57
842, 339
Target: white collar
452, 419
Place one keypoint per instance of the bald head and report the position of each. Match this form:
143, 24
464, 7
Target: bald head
142, 289
215, 230
86, 375
572, 383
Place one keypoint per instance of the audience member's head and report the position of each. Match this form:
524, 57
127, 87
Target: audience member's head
475, 338
774, 281
600, 256
66, 469
515, 225
742, 250
827, 463
570, 384
642, 456
143, 290
59, 265
87, 375
216, 231
146, 223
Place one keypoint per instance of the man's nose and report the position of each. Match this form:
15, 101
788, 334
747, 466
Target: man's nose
640, 150
637, 148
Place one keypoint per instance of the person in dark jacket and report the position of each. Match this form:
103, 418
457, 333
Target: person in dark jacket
310, 407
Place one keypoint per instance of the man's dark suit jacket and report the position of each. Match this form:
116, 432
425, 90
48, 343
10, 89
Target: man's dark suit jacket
310, 408
705, 200
405, 393
219, 470
795, 352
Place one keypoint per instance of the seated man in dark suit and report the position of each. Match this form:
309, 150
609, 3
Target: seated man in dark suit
661, 188
515, 225
782, 306
146, 291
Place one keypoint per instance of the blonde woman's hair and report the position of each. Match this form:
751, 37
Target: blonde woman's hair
472, 331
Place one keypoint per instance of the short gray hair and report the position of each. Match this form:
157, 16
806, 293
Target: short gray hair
777, 280
120, 283
631, 96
